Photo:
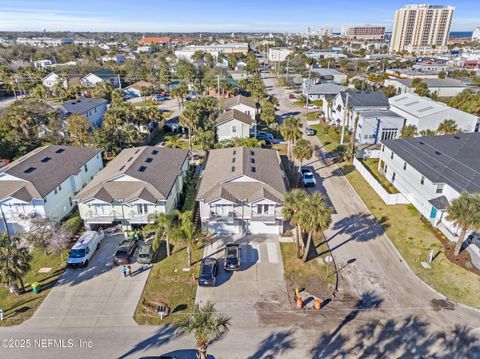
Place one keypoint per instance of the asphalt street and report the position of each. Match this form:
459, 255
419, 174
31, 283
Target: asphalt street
382, 310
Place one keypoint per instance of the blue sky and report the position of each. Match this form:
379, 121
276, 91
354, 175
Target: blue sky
210, 15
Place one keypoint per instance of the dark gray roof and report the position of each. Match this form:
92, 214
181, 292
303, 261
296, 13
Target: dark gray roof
234, 115
104, 74
155, 169
365, 99
46, 174
240, 99
440, 202
82, 105
325, 89
450, 159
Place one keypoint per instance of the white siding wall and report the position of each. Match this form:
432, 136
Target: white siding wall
245, 109
226, 131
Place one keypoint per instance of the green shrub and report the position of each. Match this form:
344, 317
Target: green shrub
74, 224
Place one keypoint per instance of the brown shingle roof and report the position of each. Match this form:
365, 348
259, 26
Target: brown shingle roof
240, 99
234, 115
46, 167
156, 170
224, 165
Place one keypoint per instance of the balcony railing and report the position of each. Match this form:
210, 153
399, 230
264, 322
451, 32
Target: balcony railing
20, 216
131, 216
267, 217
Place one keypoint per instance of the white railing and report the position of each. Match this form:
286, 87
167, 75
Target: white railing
388, 198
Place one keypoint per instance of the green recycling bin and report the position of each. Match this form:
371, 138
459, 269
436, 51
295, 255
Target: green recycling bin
36, 288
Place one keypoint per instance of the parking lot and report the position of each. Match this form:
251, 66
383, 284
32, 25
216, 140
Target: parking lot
259, 284
95, 296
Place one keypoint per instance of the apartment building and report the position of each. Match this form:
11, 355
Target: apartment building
278, 54
364, 32
421, 28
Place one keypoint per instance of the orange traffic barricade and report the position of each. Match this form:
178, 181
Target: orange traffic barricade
299, 302
318, 304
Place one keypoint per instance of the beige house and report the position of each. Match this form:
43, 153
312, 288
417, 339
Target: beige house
242, 104
234, 124
242, 191
137, 185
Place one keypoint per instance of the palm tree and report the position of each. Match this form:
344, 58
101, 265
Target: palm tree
188, 234
425, 133
205, 139
302, 150
205, 324
465, 213
190, 118
448, 127
165, 226
409, 131
173, 142
315, 218
14, 262
292, 209
291, 131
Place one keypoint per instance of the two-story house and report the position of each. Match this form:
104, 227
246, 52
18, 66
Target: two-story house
139, 184
432, 171
43, 183
241, 103
53, 79
234, 124
242, 191
92, 109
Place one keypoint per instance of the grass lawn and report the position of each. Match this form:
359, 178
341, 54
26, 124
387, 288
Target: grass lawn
329, 144
311, 275
282, 148
19, 308
414, 240
147, 102
167, 283
318, 103
372, 166
299, 103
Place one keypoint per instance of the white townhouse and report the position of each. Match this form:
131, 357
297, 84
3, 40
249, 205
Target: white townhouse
92, 109
43, 183
432, 171
52, 79
234, 124
139, 184
427, 114
440, 87
241, 103
94, 78
242, 191
375, 126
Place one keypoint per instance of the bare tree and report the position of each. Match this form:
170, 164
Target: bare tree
40, 233
60, 239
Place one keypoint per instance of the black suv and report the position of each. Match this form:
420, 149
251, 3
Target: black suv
125, 252
232, 257
208, 272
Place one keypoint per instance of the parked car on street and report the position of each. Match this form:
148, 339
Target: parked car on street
208, 272
145, 254
265, 136
292, 97
158, 97
310, 131
84, 248
308, 178
232, 257
311, 107
125, 252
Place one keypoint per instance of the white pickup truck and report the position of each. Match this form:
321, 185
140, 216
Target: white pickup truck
84, 248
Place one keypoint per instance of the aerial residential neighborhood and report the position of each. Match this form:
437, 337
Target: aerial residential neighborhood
254, 180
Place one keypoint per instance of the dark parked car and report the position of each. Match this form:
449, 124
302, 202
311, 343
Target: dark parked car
232, 257
125, 252
208, 273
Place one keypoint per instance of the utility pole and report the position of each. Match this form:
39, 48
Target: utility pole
308, 89
344, 120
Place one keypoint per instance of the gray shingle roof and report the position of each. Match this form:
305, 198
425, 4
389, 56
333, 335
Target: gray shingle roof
451, 159
44, 169
234, 115
365, 99
240, 99
155, 168
435, 82
82, 105
224, 165
325, 89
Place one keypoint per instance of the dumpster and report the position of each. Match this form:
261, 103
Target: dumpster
36, 288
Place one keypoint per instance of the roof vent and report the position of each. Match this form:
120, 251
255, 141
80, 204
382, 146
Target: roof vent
137, 151
421, 142
142, 169
121, 168
438, 152
29, 170
129, 159
45, 159
60, 150
456, 137
149, 159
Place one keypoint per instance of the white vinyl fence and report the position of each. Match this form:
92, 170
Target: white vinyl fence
388, 198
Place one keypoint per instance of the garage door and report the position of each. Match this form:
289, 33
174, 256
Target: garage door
224, 228
263, 228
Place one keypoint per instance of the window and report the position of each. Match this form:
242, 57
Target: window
154, 152
253, 169
70, 199
252, 153
439, 188
404, 166
85, 168
393, 177
60, 187
391, 155
252, 160
55, 191
385, 169
383, 148
263, 209
142, 208
234, 129
45, 200
422, 180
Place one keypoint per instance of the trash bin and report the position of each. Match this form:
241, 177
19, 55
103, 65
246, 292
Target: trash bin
36, 288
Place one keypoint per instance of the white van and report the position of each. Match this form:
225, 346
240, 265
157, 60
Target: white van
83, 249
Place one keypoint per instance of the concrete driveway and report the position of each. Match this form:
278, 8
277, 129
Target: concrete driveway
258, 286
95, 296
